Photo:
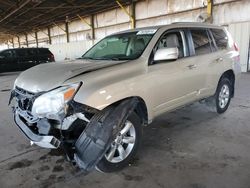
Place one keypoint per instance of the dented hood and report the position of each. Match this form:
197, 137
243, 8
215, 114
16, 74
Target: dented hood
45, 77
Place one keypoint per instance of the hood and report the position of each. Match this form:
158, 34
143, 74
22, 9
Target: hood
45, 77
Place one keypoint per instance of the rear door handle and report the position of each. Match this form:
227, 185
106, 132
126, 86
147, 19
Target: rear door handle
191, 66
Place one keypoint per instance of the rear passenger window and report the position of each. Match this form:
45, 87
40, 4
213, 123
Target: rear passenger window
220, 38
202, 42
31, 52
21, 52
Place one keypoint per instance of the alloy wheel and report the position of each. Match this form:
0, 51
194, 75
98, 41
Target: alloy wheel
123, 144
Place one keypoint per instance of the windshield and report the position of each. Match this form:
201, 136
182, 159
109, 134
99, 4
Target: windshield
125, 46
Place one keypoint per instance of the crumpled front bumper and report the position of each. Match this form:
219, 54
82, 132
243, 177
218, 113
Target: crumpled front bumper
42, 141
84, 133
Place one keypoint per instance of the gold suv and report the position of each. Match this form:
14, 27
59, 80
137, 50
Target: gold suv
94, 107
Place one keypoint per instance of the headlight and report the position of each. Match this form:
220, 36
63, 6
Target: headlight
15, 84
53, 103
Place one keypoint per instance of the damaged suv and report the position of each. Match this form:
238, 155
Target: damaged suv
94, 107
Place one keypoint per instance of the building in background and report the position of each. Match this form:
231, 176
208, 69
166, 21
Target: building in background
233, 14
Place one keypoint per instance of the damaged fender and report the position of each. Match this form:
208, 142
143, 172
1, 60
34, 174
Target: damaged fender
102, 129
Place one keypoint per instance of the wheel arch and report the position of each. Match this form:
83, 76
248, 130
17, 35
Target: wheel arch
231, 76
141, 109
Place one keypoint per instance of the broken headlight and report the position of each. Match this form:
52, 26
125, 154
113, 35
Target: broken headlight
52, 103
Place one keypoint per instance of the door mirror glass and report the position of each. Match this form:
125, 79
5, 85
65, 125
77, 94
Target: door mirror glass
165, 54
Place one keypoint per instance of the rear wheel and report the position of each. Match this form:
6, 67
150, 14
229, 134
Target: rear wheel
223, 95
124, 147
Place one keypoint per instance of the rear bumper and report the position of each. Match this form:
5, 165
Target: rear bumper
42, 141
237, 73
237, 80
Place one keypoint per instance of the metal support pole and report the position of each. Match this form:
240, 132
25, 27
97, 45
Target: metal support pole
67, 31
49, 35
18, 39
36, 39
13, 45
83, 20
133, 15
60, 27
92, 27
132, 19
26, 39
210, 10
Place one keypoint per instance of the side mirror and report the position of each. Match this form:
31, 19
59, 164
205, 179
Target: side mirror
166, 54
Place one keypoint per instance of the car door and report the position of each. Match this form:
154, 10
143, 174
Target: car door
218, 58
7, 61
31, 58
173, 82
201, 47
43, 55
21, 58
25, 58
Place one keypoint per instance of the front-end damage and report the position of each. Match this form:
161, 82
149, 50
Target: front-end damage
83, 132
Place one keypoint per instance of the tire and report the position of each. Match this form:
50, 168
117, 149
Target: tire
116, 163
223, 95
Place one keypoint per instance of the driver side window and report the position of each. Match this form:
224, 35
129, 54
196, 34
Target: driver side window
7, 54
172, 40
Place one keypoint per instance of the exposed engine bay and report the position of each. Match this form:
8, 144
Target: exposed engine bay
84, 133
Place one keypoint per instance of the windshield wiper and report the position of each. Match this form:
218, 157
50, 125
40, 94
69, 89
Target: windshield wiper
86, 58
103, 58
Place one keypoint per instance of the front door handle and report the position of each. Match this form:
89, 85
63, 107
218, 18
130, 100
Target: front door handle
219, 59
191, 66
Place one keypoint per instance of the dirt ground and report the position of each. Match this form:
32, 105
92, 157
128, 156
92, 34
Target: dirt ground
192, 147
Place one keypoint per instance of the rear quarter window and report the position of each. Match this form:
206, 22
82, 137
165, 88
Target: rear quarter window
220, 38
43, 51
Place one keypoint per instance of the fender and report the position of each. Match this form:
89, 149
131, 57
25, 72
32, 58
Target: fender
103, 88
106, 96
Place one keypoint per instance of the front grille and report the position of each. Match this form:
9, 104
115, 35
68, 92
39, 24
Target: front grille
24, 98
23, 92
25, 104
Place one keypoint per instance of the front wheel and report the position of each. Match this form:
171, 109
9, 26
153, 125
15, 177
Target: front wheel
223, 95
124, 147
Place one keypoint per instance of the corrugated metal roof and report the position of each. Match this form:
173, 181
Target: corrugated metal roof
22, 16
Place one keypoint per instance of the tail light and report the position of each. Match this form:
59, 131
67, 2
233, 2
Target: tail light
236, 48
52, 58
